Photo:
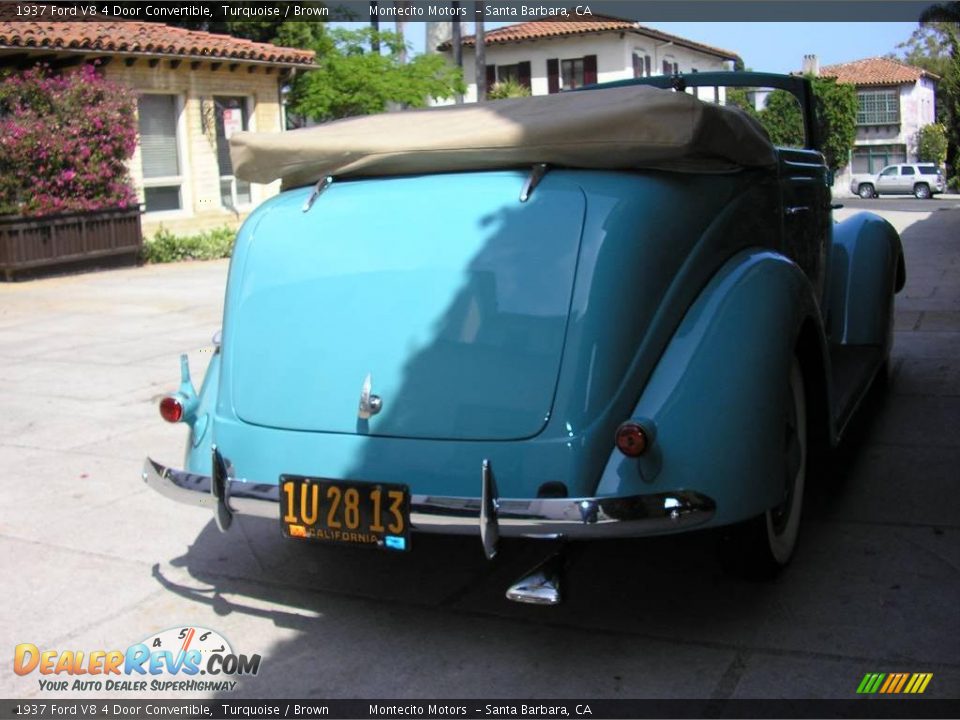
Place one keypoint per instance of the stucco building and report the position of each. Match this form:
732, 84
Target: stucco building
548, 57
194, 90
895, 100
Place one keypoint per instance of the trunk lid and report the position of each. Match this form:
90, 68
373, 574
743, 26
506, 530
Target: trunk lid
450, 293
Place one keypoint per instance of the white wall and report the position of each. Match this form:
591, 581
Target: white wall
917, 108
614, 57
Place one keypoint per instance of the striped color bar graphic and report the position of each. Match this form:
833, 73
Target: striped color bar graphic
894, 683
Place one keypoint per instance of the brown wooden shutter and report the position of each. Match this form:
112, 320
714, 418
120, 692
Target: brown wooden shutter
491, 76
666, 67
523, 73
553, 76
646, 65
589, 69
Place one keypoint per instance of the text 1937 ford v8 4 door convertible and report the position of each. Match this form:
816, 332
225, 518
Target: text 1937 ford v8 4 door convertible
606, 313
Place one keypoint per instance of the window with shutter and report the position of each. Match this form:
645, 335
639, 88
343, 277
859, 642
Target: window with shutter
589, 69
577, 72
160, 152
553, 75
524, 74
641, 64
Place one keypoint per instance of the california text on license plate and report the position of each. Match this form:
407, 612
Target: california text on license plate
375, 515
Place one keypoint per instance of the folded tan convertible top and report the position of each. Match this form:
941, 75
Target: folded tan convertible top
613, 128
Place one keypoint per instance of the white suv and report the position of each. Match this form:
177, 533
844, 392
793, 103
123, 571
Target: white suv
922, 180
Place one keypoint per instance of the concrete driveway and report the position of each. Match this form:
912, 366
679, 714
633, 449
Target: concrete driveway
94, 560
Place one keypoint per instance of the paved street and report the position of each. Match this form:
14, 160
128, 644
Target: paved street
92, 559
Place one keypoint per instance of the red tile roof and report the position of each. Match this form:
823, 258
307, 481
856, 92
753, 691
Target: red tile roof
540, 30
140, 38
875, 71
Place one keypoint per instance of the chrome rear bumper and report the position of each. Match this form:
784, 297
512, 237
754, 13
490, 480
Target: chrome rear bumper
488, 515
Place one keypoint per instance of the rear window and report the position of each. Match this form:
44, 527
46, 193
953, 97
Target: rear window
927, 170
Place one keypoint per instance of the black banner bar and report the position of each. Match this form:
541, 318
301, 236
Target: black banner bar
203, 11
873, 707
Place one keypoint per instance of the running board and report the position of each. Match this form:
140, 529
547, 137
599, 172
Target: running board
852, 368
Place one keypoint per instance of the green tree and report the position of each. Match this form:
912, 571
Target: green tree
352, 80
950, 98
782, 119
932, 143
836, 107
740, 98
836, 114
934, 47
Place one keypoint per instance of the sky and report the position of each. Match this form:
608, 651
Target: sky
765, 47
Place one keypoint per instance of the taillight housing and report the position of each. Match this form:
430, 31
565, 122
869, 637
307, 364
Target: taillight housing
171, 408
632, 439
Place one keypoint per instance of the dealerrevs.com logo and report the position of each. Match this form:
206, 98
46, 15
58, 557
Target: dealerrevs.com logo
180, 659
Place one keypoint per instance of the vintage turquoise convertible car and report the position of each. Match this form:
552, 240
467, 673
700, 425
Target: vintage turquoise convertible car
610, 313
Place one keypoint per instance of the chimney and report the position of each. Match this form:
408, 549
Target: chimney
811, 66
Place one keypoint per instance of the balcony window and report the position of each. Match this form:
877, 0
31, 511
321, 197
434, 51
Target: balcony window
878, 107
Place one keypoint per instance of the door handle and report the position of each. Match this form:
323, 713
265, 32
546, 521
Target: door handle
796, 209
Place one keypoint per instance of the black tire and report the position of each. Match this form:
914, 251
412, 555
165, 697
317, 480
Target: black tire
762, 546
921, 191
866, 191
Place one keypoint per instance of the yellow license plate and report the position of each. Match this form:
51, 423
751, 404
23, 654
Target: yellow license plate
374, 515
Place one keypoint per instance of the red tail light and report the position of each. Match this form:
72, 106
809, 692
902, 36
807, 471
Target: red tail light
631, 439
171, 409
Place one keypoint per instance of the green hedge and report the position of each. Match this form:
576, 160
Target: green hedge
166, 247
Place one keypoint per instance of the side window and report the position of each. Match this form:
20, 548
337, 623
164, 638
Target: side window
159, 152
889, 172
907, 170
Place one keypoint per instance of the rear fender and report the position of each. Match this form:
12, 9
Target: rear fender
201, 432
866, 270
715, 405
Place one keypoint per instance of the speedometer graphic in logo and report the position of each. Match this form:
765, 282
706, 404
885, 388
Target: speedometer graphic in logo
188, 643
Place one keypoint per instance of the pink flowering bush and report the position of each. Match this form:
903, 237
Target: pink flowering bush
64, 142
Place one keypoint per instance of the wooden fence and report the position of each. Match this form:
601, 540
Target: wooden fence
29, 243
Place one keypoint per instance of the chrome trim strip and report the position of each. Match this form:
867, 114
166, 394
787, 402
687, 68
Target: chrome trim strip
575, 518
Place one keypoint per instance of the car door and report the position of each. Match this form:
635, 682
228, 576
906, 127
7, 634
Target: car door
888, 180
908, 176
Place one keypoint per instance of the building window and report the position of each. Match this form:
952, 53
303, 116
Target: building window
641, 64
878, 107
872, 159
232, 116
159, 152
518, 73
571, 73
508, 73
670, 67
